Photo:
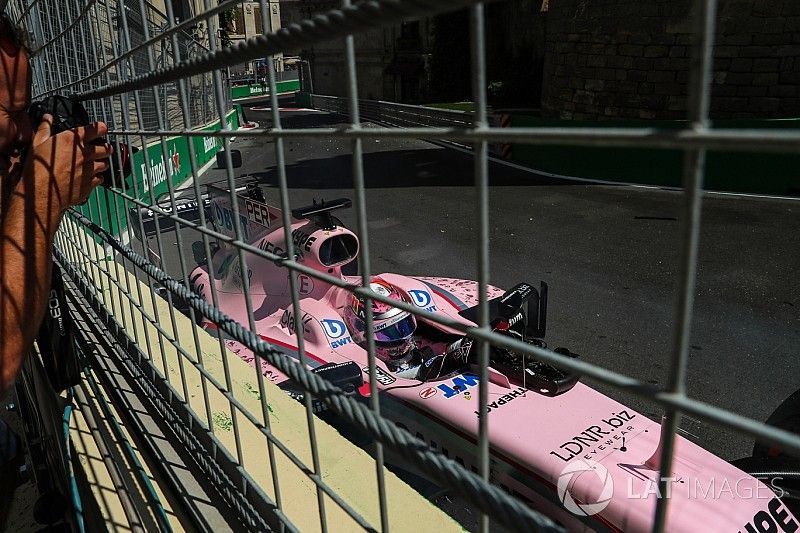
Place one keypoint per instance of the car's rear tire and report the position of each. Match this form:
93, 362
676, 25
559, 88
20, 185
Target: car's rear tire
787, 417
780, 474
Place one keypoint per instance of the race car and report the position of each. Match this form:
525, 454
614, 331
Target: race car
579, 456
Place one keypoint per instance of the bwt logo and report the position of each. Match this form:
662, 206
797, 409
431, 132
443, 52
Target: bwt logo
565, 485
336, 330
459, 385
422, 299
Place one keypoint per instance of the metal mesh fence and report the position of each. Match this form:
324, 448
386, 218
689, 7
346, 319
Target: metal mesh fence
159, 84
82, 40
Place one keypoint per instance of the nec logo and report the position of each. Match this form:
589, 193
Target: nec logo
337, 331
459, 385
422, 299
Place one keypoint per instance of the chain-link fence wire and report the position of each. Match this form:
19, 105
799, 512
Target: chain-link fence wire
69, 41
139, 76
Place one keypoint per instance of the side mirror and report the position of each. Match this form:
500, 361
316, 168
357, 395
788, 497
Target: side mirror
236, 159
199, 253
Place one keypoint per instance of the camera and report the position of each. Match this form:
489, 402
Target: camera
67, 114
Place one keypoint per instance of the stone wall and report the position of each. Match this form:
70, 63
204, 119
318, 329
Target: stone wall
377, 55
610, 59
399, 65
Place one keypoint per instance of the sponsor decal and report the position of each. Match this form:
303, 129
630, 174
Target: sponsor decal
288, 322
306, 284
302, 242
259, 213
223, 218
392, 321
267, 246
381, 289
334, 328
777, 519
209, 144
236, 275
167, 208
422, 299
225, 267
523, 289
52, 304
186, 205
458, 385
430, 392
160, 169
514, 319
607, 433
565, 484
336, 332
382, 377
504, 399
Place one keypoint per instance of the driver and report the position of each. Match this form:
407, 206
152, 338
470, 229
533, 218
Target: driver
393, 328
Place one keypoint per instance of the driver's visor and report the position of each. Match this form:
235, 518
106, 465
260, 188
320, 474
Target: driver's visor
398, 331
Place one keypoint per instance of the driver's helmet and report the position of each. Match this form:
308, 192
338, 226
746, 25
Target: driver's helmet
393, 327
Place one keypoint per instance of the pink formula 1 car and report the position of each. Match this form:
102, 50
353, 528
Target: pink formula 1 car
577, 455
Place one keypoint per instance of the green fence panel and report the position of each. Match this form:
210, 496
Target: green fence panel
176, 167
760, 173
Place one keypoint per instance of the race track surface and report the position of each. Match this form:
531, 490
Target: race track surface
609, 253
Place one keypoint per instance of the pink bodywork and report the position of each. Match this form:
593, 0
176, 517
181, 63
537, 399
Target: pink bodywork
533, 437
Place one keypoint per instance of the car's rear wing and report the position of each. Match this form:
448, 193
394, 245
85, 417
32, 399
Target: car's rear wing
509, 307
256, 217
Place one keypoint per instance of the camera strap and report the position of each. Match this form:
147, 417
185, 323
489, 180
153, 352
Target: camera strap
56, 338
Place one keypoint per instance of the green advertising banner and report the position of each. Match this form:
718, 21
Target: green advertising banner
262, 89
106, 208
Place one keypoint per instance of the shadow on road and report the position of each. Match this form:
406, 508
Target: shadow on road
402, 168
296, 120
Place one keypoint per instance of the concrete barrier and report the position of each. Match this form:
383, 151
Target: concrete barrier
759, 173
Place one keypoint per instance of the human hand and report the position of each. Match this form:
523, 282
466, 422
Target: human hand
65, 167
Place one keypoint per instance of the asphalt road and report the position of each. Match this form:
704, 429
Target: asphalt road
609, 253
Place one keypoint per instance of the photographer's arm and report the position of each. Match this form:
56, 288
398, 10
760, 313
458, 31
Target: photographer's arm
60, 171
